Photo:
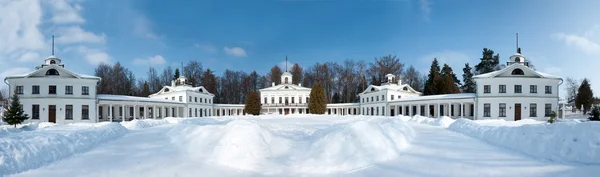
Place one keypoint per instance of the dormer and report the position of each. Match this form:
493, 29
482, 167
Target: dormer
286, 78
518, 58
53, 60
181, 81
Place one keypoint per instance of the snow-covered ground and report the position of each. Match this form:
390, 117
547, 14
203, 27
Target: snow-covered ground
306, 145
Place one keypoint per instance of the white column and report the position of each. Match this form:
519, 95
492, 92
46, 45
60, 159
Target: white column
145, 112
123, 113
437, 113
462, 110
154, 111
110, 113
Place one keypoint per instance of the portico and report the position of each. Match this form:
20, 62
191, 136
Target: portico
117, 108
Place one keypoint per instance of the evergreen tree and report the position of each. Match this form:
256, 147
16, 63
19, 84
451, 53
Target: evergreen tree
145, 89
449, 80
296, 74
335, 98
318, 102
252, 103
434, 80
585, 96
176, 74
15, 114
489, 62
468, 83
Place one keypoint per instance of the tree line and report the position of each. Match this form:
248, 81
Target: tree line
341, 81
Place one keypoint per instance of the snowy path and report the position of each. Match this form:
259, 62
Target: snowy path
434, 152
439, 152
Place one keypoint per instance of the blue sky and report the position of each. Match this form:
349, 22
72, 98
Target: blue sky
559, 37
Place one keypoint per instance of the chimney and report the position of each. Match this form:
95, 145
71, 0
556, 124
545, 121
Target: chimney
172, 83
300, 84
273, 84
399, 81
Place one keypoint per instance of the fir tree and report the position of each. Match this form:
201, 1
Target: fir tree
176, 76
433, 82
488, 62
449, 81
252, 103
447, 70
468, 83
318, 102
585, 96
15, 114
145, 90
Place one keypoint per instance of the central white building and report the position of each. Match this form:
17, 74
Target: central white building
285, 98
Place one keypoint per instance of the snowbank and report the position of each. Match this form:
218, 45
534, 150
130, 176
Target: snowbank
443, 121
247, 145
32, 149
564, 141
140, 124
346, 147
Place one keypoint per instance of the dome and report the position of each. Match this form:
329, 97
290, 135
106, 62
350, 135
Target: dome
52, 60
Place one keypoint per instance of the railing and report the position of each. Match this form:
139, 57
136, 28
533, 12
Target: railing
284, 105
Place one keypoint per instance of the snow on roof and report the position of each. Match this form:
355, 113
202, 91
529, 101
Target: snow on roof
438, 97
495, 73
548, 75
134, 98
229, 105
391, 86
278, 87
342, 104
68, 71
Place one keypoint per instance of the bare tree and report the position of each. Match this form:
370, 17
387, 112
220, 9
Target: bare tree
154, 80
385, 65
193, 72
167, 76
413, 78
275, 75
572, 86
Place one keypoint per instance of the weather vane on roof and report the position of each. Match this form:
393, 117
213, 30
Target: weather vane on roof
52, 45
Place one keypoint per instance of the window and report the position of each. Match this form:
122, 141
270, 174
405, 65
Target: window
265, 100
300, 100
35, 111
502, 110
377, 98
517, 72
371, 99
533, 89
180, 98
362, 100
52, 89
35, 89
548, 89
399, 96
280, 100
20, 90
52, 62
85, 90
52, 72
382, 97
85, 112
307, 100
190, 99
502, 88
532, 110
172, 98
486, 110
547, 110
69, 90
293, 100
392, 97
196, 99
190, 112
517, 88
69, 112
487, 89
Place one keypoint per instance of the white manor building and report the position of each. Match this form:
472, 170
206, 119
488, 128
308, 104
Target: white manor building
52, 93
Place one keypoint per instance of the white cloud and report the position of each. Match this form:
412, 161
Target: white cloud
19, 21
29, 56
14, 71
425, 6
206, 47
65, 12
583, 42
75, 34
155, 60
143, 27
235, 51
96, 58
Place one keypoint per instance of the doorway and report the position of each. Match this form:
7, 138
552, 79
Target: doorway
517, 111
392, 112
52, 113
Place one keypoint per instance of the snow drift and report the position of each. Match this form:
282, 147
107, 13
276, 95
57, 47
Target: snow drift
147, 123
33, 149
443, 121
346, 147
247, 145
563, 141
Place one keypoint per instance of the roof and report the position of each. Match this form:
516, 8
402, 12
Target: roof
390, 86
286, 74
182, 88
438, 97
134, 98
513, 66
57, 67
285, 87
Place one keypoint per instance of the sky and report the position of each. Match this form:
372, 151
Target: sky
559, 37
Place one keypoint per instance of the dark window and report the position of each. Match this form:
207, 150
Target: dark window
85, 90
382, 97
487, 89
532, 110
20, 90
392, 97
518, 89
35, 89
533, 89
517, 72
547, 110
264, 102
196, 99
52, 89
502, 89
405, 88
190, 99
486, 110
172, 98
52, 72
69, 90
280, 100
85, 112
35, 111
69, 112
502, 110
52, 62
548, 89
180, 98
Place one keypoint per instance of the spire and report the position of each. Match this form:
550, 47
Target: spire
286, 63
518, 49
52, 45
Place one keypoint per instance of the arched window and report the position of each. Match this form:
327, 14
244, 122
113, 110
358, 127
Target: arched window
405, 89
517, 72
166, 89
286, 80
52, 62
200, 90
52, 72
372, 89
